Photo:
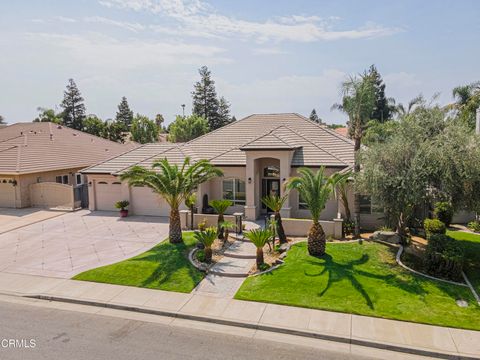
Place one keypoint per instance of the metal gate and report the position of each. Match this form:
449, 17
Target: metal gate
80, 195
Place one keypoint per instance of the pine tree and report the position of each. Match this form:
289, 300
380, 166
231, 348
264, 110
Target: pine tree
383, 110
224, 112
205, 102
73, 107
314, 117
124, 114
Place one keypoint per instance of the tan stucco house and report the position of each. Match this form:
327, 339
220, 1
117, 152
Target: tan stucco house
257, 155
40, 163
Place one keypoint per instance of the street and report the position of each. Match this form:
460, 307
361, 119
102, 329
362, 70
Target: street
62, 334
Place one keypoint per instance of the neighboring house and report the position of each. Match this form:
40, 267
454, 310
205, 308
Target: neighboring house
40, 163
257, 155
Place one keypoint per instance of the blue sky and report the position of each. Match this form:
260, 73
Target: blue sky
266, 56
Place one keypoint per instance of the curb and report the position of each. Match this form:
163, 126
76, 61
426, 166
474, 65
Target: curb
254, 326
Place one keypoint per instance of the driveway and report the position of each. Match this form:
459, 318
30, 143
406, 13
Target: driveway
74, 242
11, 219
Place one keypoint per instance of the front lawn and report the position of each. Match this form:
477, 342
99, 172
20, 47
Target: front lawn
471, 244
164, 267
362, 279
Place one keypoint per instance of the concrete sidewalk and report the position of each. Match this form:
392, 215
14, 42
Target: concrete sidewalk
345, 329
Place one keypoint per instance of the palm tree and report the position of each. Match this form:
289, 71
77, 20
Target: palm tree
227, 226
259, 237
403, 110
172, 183
190, 202
358, 103
220, 206
276, 203
315, 189
341, 191
207, 238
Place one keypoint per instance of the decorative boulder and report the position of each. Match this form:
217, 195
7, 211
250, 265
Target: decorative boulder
284, 247
387, 236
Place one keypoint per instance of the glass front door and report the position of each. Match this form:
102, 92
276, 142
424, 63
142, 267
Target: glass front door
270, 187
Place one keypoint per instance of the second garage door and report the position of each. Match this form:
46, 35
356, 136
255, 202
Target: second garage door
107, 194
146, 202
7, 195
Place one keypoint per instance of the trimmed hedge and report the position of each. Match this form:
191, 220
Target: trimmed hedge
434, 226
444, 257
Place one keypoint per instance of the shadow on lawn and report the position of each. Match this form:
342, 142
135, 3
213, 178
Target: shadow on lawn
339, 271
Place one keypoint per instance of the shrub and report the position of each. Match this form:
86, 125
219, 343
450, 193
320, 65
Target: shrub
444, 212
474, 226
122, 205
434, 226
444, 257
348, 227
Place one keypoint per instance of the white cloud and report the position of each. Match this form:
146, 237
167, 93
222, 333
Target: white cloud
64, 19
135, 27
198, 18
268, 51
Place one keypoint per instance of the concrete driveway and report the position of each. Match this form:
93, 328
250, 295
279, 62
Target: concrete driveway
11, 219
74, 242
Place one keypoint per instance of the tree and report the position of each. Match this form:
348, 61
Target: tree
73, 107
184, 129
173, 184
467, 100
206, 103
159, 120
314, 117
48, 115
190, 202
144, 130
220, 206
342, 182
384, 107
315, 189
114, 131
403, 110
259, 237
124, 114
207, 238
378, 132
358, 103
276, 203
94, 125
2, 120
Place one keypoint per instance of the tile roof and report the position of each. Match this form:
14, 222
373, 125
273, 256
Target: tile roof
313, 144
342, 131
38, 147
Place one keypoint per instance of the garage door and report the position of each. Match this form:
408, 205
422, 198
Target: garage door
7, 195
107, 194
145, 202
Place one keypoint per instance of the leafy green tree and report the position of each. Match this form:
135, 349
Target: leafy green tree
220, 206
73, 107
314, 117
315, 189
124, 114
114, 131
207, 238
159, 120
48, 115
358, 103
378, 132
384, 107
144, 130
184, 129
276, 203
173, 184
94, 125
342, 182
467, 100
259, 237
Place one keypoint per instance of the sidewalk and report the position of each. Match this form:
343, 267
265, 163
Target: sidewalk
345, 329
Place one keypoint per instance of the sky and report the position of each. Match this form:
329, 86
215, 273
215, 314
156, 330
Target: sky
265, 56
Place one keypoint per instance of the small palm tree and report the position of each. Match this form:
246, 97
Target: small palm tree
220, 206
315, 189
207, 238
259, 237
341, 191
173, 183
227, 226
190, 202
276, 203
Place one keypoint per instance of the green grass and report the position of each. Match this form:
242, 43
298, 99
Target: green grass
471, 244
362, 279
164, 267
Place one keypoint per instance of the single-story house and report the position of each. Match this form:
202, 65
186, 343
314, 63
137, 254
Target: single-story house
257, 155
40, 164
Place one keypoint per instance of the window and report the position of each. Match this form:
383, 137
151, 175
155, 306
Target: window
61, 179
271, 171
302, 205
79, 179
234, 189
368, 205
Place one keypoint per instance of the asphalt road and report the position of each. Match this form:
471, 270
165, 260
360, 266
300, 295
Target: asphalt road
62, 334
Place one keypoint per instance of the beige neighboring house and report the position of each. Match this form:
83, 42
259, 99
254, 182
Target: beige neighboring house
40, 164
257, 155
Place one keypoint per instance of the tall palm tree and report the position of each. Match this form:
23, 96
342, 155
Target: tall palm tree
172, 183
358, 103
259, 237
315, 189
403, 110
275, 203
207, 238
220, 206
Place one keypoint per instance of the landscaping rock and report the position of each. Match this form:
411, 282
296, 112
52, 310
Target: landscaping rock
282, 256
284, 247
387, 236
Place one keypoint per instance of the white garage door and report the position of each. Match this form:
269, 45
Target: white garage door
7, 195
107, 194
145, 202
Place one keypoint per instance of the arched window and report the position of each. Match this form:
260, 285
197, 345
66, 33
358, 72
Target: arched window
102, 183
234, 190
271, 171
116, 183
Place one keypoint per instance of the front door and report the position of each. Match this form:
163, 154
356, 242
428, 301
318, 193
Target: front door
270, 187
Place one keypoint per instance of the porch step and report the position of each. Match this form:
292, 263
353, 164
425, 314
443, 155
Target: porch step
241, 250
